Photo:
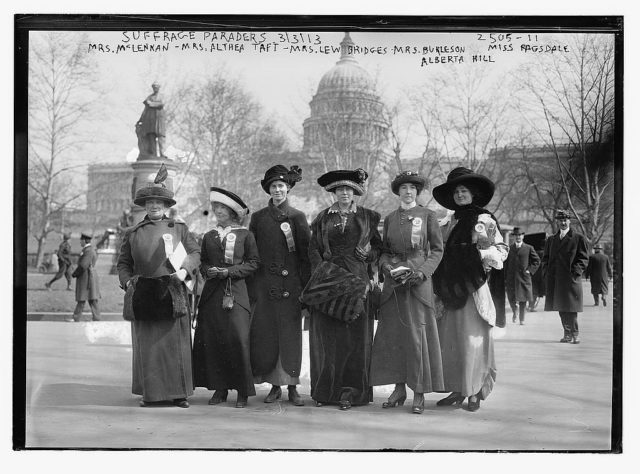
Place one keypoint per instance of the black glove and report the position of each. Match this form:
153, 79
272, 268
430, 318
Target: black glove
361, 254
415, 279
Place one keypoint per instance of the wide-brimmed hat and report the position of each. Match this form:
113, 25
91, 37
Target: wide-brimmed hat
597, 247
517, 231
229, 199
280, 173
562, 214
156, 190
482, 187
412, 177
353, 178
86, 235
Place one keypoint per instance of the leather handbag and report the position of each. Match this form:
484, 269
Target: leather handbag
228, 298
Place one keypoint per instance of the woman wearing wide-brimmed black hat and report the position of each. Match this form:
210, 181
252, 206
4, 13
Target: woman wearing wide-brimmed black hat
282, 235
345, 242
406, 348
161, 327
470, 283
221, 343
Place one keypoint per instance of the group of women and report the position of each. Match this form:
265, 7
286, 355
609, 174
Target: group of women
261, 280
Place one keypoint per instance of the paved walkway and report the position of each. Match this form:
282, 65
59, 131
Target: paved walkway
548, 396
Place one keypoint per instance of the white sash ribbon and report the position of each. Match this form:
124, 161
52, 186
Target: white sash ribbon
286, 230
229, 248
168, 244
416, 231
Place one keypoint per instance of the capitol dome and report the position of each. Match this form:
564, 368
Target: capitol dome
347, 74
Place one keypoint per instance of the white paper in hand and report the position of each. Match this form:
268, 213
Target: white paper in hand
176, 259
399, 271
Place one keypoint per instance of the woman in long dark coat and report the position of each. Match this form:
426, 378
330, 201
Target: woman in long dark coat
346, 235
221, 343
470, 283
282, 236
406, 348
161, 347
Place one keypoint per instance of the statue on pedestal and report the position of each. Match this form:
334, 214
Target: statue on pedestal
150, 127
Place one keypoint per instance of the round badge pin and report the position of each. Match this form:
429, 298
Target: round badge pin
231, 237
416, 222
285, 226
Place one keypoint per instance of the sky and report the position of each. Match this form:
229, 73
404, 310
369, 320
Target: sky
281, 79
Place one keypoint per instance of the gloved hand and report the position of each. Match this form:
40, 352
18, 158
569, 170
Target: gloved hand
180, 275
361, 254
415, 278
215, 272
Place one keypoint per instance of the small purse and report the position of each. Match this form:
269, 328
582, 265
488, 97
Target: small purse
227, 297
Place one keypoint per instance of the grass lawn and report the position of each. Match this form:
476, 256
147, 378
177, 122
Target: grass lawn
59, 299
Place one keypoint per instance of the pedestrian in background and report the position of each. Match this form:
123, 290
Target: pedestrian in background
470, 283
160, 323
565, 259
521, 264
406, 348
87, 286
64, 262
282, 236
599, 272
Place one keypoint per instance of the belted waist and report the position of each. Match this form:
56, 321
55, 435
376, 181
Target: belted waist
403, 257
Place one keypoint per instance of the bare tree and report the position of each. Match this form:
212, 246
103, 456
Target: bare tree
569, 101
60, 93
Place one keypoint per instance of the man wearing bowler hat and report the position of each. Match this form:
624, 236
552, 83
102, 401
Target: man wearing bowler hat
521, 264
566, 258
599, 272
87, 281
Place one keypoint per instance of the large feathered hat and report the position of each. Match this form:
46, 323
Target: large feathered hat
280, 173
483, 187
353, 178
156, 190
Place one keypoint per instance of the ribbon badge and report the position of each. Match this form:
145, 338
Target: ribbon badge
416, 231
229, 248
286, 230
168, 244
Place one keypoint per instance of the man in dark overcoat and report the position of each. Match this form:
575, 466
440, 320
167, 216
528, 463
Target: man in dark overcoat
282, 235
87, 280
599, 272
565, 258
521, 264
64, 262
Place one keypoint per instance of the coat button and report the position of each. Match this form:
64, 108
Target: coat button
285, 294
285, 273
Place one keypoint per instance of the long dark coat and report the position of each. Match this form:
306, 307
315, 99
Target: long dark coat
87, 286
599, 272
276, 328
406, 347
518, 282
565, 261
340, 352
221, 343
161, 349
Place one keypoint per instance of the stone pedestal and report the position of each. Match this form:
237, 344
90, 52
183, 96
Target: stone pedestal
144, 171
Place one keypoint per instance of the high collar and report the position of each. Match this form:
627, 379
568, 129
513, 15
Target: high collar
406, 207
335, 208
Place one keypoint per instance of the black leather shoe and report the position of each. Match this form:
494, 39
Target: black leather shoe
319, 404
241, 402
576, 340
294, 397
418, 403
144, 404
181, 403
274, 394
345, 404
566, 339
473, 405
396, 399
453, 399
218, 396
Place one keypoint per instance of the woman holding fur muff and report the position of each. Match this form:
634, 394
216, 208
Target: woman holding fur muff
221, 342
345, 242
156, 300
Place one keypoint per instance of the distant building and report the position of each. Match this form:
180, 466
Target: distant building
109, 193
